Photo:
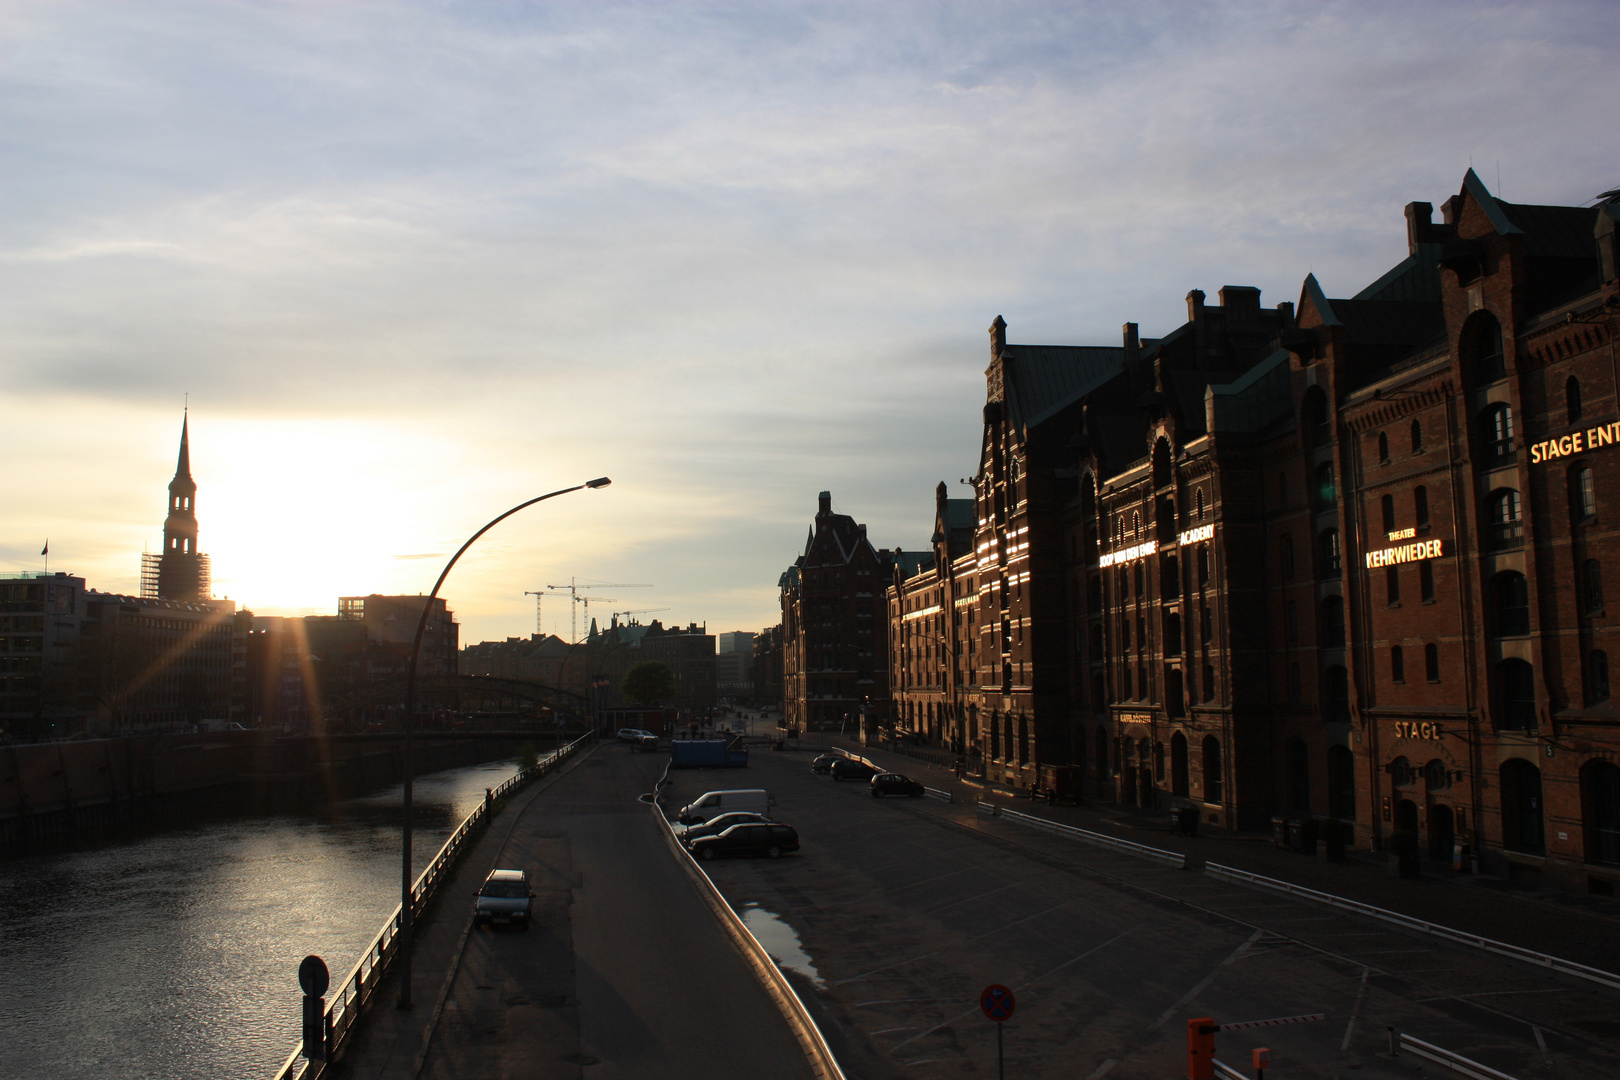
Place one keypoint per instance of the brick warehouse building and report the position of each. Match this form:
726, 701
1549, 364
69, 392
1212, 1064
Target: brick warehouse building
1346, 562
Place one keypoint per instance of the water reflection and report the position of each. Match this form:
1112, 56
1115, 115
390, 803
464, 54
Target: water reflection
781, 941
175, 956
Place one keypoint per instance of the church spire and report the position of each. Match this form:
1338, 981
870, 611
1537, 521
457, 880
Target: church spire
182, 468
182, 573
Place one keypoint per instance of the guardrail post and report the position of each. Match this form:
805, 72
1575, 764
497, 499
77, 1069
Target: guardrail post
1394, 1043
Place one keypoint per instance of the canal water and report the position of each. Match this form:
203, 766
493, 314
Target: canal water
176, 955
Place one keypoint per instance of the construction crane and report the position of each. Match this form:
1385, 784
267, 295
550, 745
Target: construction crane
538, 629
643, 611
574, 588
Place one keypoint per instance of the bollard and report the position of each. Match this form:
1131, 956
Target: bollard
1201, 1048
1262, 1058
1394, 1044
314, 979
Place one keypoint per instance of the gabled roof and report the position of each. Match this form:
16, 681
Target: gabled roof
1312, 292
1043, 379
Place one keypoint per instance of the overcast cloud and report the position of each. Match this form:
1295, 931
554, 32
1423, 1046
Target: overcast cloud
416, 263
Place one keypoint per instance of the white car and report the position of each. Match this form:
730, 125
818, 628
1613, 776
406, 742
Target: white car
637, 736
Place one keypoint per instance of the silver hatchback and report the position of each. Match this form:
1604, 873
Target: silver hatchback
505, 900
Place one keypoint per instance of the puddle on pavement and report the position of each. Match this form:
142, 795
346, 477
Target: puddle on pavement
781, 941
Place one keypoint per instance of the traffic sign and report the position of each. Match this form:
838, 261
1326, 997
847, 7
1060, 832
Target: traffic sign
313, 976
997, 1002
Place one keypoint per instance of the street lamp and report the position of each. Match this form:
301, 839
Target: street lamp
407, 902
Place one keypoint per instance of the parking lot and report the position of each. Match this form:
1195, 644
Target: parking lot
907, 908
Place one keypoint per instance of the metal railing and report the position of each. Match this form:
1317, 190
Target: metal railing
1399, 1041
348, 999
1169, 858
1501, 948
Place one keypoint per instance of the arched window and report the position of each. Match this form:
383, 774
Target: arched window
1431, 662
1600, 811
1582, 493
1209, 682
1287, 545
1387, 504
1572, 399
1175, 698
1141, 584
1178, 765
1136, 525
1341, 769
1510, 604
1417, 437
1420, 505
1426, 580
1515, 696
1198, 504
1383, 448
1503, 524
1331, 623
1318, 432
1392, 585
1522, 828
1212, 769
1401, 773
1170, 577
1597, 676
1482, 349
1435, 776
1323, 489
1397, 664
1327, 553
1496, 435
1592, 584
1336, 695
1172, 634
1203, 564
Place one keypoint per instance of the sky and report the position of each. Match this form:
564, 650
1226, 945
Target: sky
414, 263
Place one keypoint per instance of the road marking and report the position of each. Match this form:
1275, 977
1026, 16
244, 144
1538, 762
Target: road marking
968, 900
1077, 959
1015, 922
1541, 1042
969, 1012
1361, 992
1103, 1070
1491, 993
1205, 981
887, 1031
876, 971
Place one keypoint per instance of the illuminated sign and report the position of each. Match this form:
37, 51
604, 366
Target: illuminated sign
1134, 717
1429, 731
1140, 551
1405, 553
1575, 442
1193, 536
1402, 534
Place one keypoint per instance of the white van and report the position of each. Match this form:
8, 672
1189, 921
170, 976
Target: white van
714, 803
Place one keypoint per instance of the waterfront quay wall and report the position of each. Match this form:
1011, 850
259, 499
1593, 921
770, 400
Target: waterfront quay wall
66, 794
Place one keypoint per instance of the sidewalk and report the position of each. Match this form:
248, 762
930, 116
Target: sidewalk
1582, 928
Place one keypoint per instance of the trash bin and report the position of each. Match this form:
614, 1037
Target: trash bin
1184, 821
1302, 835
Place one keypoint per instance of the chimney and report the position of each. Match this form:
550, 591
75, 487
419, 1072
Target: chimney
860, 530
998, 336
1240, 301
824, 504
1419, 218
1195, 305
1286, 310
1450, 209
1133, 343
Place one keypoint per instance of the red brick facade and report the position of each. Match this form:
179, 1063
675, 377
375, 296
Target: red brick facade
1348, 562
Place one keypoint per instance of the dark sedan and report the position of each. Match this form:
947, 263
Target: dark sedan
717, 825
748, 839
850, 769
892, 783
823, 764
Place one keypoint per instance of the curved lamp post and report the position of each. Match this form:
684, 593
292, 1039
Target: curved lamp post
407, 902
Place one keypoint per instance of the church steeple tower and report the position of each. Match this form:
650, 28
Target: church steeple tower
181, 572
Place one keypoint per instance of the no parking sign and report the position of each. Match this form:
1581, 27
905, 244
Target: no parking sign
997, 1002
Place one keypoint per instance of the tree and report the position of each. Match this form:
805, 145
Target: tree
648, 682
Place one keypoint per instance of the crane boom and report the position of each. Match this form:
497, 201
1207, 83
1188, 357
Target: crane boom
574, 588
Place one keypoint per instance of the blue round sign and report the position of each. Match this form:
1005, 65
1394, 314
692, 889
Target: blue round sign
997, 1002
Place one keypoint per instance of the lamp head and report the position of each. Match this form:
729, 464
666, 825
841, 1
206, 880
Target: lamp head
599, 482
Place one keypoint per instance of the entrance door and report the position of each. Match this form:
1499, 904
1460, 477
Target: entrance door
1441, 833
1406, 816
1144, 787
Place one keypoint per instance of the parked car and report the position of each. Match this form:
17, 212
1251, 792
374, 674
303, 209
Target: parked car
823, 764
505, 900
892, 783
638, 736
748, 839
711, 804
717, 825
850, 769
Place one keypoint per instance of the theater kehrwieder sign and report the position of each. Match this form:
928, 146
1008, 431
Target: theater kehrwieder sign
1404, 553
1576, 442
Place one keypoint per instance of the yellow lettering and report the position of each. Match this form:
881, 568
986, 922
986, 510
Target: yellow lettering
1577, 439
1535, 454
1566, 446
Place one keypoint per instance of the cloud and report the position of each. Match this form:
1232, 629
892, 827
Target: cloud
731, 254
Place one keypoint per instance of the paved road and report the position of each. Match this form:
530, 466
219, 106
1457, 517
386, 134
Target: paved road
625, 974
907, 908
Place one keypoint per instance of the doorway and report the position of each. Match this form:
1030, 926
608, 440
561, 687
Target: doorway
1441, 832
